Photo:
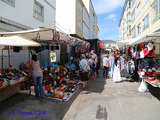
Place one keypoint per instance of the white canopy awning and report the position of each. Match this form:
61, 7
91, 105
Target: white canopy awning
17, 41
40, 34
146, 38
123, 42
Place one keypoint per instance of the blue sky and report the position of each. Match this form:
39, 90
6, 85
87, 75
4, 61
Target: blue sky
108, 14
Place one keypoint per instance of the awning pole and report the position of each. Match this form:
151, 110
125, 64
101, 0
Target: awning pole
9, 55
49, 56
2, 58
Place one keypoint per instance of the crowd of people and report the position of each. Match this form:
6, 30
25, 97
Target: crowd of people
89, 65
89, 69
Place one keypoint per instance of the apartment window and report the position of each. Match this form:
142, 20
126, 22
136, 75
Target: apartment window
79, 26
132, 2
38, 11
155, 11
79, 7
144, 2
138, 8
146, 22
133, 15
133, 32
139, 29
11, 2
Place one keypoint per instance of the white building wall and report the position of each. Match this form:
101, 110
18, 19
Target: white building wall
23, 13
65, 16
85, 31
85, 16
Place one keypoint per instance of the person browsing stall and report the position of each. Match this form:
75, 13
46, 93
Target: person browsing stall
37, 76
84, 71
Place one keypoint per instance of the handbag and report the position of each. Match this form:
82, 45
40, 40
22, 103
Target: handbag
107, 63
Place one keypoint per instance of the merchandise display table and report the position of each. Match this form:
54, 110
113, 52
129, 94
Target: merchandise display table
11, 88
65, 92
154, 83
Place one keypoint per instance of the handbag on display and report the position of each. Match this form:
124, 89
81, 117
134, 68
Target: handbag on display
5, 47
16, 49
56, 36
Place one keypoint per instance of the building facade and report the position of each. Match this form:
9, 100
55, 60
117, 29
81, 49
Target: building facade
145, 18
27, 14
93, 18
70, 19
19, 15
76, 18
125, 22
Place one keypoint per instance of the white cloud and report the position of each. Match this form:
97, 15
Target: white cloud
112, 17
107, 6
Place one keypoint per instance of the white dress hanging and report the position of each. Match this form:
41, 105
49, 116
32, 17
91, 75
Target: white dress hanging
116, 73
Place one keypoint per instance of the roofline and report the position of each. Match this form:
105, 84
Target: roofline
124, 7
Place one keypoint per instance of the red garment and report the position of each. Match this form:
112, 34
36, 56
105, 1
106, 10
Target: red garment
149, 73
101, 45
152, 52
128, 51
140, 47
146, 51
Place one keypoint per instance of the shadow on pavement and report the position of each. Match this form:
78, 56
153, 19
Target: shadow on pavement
54, 110
126, 81
96, 86
155, 91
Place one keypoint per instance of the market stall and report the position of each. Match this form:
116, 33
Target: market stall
58, 83
10, 79
145, 55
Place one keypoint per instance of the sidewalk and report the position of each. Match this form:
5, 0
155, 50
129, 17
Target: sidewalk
121, 100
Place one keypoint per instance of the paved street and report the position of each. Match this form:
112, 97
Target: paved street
122, 101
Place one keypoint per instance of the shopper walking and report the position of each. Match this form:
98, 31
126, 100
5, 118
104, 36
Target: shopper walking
111, 63
101, 59
105, 67
95, 61
37, 76
84, 71
91, 67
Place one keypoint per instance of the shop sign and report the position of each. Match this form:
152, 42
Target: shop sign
53, 56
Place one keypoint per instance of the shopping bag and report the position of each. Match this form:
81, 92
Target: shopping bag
143, 87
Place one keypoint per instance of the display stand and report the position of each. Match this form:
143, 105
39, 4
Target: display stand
8, 91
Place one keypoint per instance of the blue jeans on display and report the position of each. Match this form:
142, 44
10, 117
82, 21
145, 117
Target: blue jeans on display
111, 71
38, 86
